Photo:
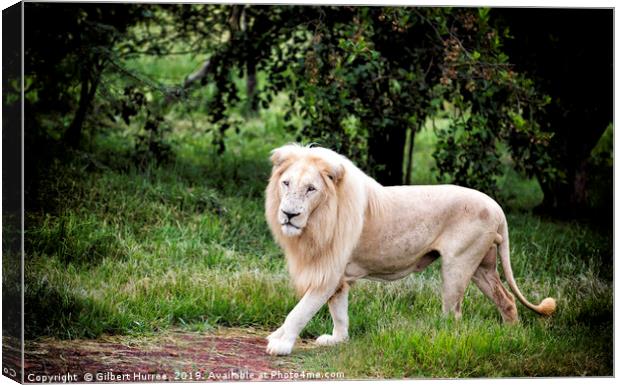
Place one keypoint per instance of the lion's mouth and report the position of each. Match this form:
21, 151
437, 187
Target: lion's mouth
291, 225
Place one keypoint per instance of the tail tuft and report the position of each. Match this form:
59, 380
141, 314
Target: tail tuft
546, 307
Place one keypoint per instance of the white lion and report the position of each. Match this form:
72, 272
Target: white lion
337, 225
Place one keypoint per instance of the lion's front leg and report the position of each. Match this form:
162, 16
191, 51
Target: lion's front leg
338, 308
276, 334
282, 340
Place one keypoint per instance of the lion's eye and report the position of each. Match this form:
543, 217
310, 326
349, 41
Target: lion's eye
285, 183
311, 188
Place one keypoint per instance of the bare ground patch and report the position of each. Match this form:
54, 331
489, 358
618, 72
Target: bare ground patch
226, 354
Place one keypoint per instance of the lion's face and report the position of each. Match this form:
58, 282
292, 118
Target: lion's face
301, 200
302, 189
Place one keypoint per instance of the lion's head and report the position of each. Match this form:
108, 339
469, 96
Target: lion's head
303, 179
315, 205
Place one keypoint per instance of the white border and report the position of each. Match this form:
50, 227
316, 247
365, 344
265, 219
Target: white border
492, 3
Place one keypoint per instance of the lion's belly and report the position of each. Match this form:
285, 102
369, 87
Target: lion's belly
389, 255
388, 270
354, 272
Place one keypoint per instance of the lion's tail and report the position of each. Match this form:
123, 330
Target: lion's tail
547, 306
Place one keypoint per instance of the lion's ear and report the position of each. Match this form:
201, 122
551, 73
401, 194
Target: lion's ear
282, 154
335, 172
276, 158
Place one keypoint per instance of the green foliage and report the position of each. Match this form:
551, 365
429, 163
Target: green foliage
600, 174
466, 154
492, 107
349, 73
361, 77
602, 154
64, 60
369, 66
360, 80
577, 115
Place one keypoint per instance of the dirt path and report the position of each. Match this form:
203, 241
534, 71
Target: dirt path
228, 354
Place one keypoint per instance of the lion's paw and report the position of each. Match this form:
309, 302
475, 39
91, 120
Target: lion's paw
279, 346
328, 340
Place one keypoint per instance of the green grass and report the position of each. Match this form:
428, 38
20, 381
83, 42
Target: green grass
129, 251
135, 251
155, 67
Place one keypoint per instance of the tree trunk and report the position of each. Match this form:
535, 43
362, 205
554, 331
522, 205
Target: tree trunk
251, 84
386, 153
90, 81
412, 132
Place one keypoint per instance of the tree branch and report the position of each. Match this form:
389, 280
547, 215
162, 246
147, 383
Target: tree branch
201, 73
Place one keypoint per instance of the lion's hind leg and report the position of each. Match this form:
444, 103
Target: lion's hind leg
454, 283
458, 267
488, 281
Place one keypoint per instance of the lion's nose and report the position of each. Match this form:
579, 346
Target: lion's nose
290, 215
